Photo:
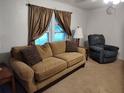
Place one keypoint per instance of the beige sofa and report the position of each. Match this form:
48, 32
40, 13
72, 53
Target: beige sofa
56, 63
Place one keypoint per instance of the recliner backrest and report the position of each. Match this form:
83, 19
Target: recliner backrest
96, 39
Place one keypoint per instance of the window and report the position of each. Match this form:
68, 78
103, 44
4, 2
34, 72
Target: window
54, 33
59, 34
43, 39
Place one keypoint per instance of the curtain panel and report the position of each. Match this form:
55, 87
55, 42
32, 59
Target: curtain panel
38, 22
64, 19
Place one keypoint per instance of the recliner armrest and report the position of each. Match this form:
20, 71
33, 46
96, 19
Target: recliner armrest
24, 71
96, 48
110, 47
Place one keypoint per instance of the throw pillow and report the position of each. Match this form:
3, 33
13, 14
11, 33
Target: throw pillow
31, 55
71, 46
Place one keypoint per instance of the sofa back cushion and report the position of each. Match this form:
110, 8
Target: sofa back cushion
45, 51
58, 47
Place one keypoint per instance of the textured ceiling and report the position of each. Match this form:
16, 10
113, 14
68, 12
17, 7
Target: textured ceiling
84, 4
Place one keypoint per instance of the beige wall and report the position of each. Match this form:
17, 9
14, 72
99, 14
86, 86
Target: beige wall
13, 21
112, 26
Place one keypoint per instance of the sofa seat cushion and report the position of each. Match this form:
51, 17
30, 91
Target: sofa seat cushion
48, 67
70, 57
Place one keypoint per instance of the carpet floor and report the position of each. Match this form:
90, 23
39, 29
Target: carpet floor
94, 78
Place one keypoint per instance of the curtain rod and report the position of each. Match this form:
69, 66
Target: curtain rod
28, 4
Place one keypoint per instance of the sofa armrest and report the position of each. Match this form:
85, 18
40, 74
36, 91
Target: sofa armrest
82, 50
24, 71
